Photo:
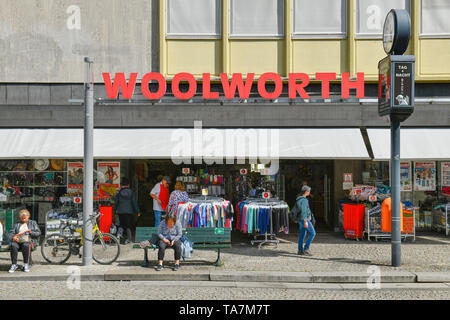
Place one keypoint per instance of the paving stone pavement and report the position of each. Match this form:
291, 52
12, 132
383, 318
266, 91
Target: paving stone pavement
58, 290
331, 253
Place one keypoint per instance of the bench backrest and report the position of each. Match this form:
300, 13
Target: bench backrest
196, 235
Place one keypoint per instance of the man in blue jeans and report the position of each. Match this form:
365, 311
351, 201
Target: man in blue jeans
305, 223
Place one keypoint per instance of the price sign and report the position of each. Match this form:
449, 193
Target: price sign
348, 177
77, 200
372, 198
186, 170
266, 195
204, 192
265, 172
219, 231
243, 172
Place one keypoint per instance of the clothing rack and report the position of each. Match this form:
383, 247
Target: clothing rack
226, 211
269, 237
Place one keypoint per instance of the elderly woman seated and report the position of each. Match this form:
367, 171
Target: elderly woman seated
169, 233
23, 237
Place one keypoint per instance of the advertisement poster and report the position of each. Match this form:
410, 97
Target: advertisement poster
445, 174
108, 178
405, 176
75, 176
425, 176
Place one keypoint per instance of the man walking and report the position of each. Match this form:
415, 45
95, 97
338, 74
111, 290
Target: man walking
305, 223
160, 194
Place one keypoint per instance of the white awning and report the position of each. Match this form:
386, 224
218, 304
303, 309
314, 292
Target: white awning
185, 143
415, 144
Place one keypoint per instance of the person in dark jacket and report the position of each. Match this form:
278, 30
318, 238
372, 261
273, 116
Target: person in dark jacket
169, 233
23, 237
125, 205
305, 223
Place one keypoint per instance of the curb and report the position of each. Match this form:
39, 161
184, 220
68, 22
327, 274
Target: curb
149, 274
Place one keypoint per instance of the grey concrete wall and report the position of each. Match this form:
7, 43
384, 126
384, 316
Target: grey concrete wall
213, 115
46, 40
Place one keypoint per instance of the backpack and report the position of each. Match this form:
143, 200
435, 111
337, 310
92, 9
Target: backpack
294, 213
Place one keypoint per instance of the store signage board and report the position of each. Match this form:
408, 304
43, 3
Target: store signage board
75, 176
347, 185
445, 174
425, 176
405, 176
236, 86
348, 177
396, 86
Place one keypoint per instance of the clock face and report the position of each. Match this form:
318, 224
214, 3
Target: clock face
389, 32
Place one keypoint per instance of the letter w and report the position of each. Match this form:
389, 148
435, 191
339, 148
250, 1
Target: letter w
229, 89
119, 81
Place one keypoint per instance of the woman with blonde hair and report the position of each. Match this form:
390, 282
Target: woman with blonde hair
24, 236
177, 196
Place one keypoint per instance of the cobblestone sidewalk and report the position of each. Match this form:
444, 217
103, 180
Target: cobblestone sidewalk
331, 253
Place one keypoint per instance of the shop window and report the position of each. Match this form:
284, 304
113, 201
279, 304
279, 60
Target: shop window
319, 19
256, 18
434, 18
370, 15
193, 19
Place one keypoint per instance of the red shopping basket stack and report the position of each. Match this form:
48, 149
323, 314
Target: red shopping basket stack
354, 220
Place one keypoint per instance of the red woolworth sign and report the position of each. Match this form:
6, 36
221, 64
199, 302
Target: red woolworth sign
230, 86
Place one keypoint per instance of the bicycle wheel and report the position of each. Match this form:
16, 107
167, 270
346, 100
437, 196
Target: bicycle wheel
105, 248
56, 248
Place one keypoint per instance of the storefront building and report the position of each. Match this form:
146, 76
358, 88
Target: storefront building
333, 143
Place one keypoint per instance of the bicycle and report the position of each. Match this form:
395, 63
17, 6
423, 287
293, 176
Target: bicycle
57, 248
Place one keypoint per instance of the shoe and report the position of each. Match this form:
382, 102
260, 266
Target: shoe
300, 253
177, 267
13, 268
145, 244
127, 242
307, 253
26, 268
159, 267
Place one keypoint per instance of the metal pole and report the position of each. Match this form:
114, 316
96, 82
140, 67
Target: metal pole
88, 185
395, 193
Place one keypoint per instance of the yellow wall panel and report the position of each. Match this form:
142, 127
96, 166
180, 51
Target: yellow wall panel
434, 55
311, 56
368, 53
257, 56
194, 56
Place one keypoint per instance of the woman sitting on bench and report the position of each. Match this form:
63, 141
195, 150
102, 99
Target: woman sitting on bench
169, 232
23, 237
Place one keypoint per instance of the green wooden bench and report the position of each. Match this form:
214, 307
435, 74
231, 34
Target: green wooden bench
33, 248
202, 238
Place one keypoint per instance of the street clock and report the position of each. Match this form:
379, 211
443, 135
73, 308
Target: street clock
396, 71
396, 31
